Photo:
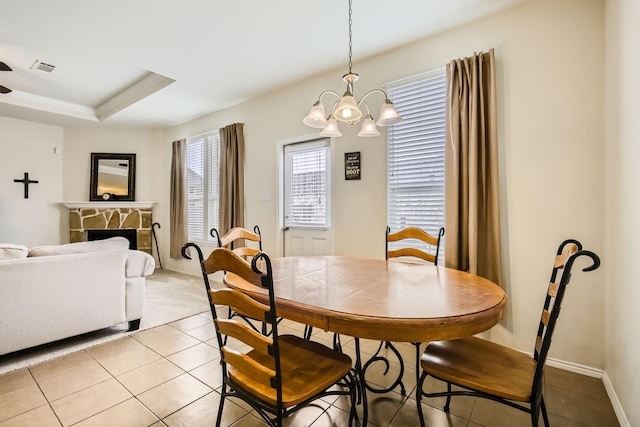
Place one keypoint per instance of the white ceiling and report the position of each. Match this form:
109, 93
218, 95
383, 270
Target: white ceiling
183, 59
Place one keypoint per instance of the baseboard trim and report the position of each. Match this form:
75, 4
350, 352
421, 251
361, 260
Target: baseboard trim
617, 406
575, 367
595, 373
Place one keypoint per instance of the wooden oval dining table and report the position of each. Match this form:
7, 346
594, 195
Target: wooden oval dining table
379, 299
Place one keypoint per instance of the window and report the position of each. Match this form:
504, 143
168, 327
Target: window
203, 153
306, 181
416, 148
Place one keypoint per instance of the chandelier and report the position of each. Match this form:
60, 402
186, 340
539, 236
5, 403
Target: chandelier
347, 109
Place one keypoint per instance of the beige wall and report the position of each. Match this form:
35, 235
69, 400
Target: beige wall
550, 78
29, 147
81, 142
622, 202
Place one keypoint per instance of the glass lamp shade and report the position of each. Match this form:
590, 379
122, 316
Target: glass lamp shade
388, 114
316, 117
368, 128
332, 128
348, 110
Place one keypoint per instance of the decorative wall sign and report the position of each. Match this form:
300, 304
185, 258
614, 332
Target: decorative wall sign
352, 165
26, 181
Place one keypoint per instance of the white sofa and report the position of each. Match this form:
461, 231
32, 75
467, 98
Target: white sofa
53, 292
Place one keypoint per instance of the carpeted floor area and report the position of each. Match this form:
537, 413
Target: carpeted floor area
169, 296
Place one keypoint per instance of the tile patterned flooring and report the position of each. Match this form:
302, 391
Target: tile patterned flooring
170, 376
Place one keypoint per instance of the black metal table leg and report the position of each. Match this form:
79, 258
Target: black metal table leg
361, 385
378, 358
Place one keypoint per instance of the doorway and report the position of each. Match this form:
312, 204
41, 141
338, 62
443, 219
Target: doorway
306, 198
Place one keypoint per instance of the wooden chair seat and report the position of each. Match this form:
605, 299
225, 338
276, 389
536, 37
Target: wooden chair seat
481, 365
308, 368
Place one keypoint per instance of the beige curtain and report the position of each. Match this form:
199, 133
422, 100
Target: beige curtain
231, 177
472, 193
178, 208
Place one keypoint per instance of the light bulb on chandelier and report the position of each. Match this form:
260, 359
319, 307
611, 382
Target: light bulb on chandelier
348, 110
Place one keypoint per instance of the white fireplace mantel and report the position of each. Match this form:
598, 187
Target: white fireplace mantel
103, 205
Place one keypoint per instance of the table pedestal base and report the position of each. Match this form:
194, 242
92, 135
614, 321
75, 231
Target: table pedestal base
360, 374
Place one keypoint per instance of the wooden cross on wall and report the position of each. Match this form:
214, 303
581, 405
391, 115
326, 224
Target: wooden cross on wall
26, 181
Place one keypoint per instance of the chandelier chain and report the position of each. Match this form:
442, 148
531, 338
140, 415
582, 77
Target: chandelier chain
350, 22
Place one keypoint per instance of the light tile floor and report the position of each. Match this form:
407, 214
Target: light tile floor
170, 376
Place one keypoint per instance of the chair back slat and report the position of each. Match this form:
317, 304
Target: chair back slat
413, 252
546, 314
246, 251
553, 289
242, 362
241, 302
236, 239
538, 344
418, 236
567, 251
237, 233
413, 233
228, 261
244, 334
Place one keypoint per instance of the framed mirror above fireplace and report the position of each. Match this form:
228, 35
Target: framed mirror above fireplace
113, 177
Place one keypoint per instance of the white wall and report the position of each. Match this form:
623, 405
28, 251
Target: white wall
29, 147
550, 76
622, 202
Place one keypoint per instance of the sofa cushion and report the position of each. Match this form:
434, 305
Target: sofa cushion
111, 244
11, 251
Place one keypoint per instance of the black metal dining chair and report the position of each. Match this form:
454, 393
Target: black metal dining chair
484, 369
279, 374
425, 241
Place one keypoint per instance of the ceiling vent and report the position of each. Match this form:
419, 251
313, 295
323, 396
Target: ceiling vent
41, 66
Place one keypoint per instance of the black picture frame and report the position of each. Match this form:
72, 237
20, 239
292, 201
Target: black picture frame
113, 177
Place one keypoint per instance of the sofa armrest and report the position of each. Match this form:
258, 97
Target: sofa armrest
139, 264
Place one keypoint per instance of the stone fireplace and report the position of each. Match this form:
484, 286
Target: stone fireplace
111, 216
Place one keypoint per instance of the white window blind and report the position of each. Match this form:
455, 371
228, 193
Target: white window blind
203, 154
306, 182
416, 150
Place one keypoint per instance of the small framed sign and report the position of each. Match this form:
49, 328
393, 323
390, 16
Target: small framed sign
352, 165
